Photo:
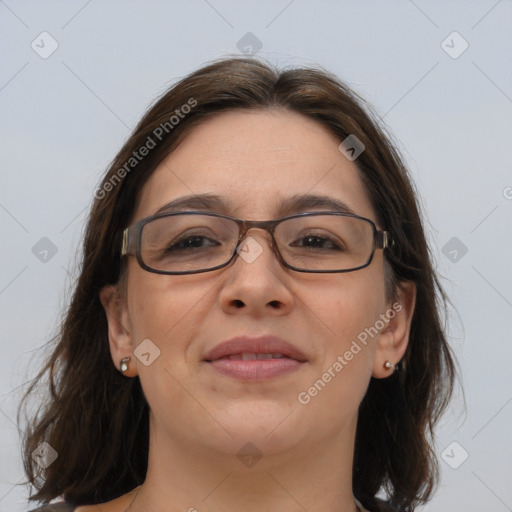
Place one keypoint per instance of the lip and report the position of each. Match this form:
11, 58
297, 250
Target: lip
256, 369
260, 345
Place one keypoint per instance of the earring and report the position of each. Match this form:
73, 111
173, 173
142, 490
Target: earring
389, 366
124, 364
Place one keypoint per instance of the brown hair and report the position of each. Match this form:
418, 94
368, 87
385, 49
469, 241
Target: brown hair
97, 420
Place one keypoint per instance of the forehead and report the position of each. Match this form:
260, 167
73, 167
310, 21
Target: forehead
256, 160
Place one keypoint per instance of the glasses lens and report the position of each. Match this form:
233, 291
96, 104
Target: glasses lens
187, 243
325, 242
195, 242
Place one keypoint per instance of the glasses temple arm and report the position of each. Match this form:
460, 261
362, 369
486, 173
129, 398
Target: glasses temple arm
125, 247
383, 239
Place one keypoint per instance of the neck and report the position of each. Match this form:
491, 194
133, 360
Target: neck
186, 476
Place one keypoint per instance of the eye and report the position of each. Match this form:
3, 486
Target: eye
317, 242
191, 242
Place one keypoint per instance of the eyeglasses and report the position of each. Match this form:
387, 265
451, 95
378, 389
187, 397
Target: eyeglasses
192, 242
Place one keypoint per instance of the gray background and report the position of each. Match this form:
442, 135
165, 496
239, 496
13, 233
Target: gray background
64, 117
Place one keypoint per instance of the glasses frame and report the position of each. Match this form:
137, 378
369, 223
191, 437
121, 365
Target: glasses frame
132, 239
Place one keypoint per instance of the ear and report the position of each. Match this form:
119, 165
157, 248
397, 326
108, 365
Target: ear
119, 331
394, 337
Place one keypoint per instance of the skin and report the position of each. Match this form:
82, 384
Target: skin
199, 418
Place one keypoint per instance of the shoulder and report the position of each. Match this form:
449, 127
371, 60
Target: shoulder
55, 507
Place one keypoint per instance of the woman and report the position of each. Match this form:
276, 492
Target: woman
292, 360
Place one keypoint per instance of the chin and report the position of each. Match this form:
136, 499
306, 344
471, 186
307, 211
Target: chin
272, 430
249, 446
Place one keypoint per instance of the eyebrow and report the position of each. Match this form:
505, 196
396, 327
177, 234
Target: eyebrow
294, 204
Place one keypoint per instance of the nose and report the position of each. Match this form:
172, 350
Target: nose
257, 282
254, 242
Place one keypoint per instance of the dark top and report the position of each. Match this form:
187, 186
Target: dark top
56, 507
67, 507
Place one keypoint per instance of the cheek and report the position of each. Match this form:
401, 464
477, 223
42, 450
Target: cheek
346, 305
347, 313
169, 310
347, 310
166, 311
154, 306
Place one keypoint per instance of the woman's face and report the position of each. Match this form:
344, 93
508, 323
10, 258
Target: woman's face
255, 161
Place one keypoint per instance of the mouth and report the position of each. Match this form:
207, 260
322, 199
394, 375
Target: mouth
251, 356
254, 359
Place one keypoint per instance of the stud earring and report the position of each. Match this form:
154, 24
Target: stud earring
389, 366
124, 364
